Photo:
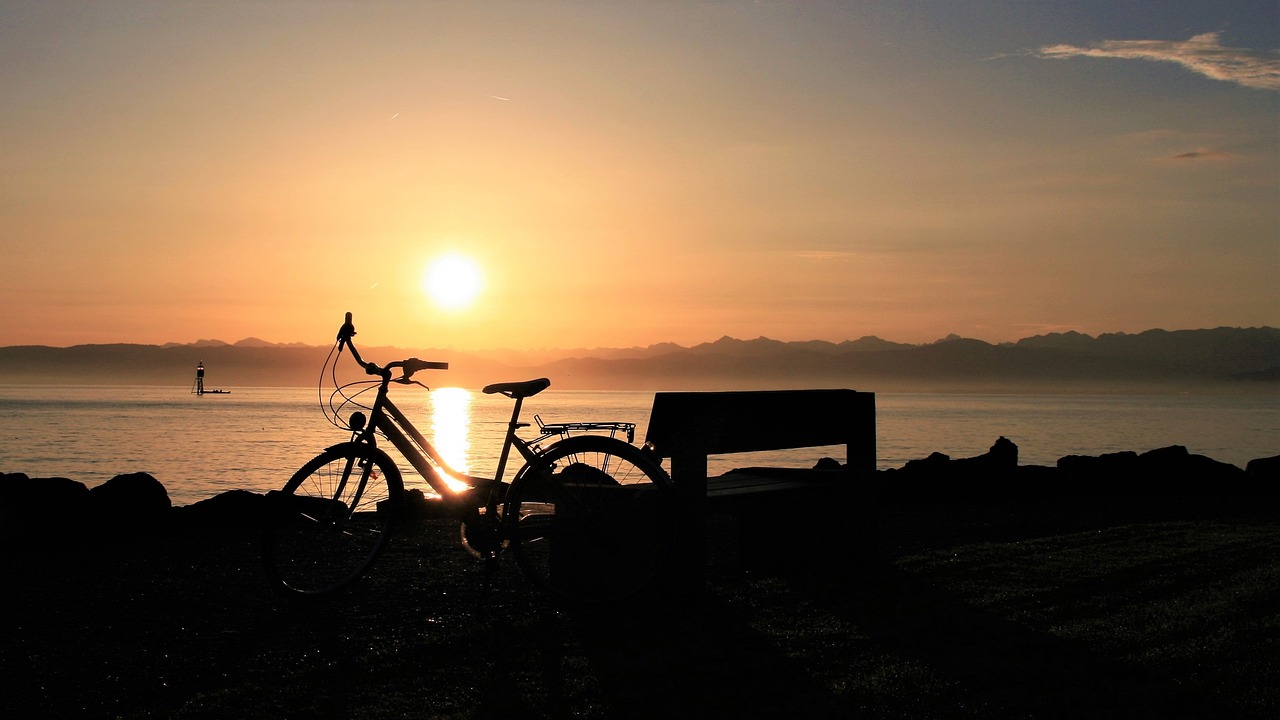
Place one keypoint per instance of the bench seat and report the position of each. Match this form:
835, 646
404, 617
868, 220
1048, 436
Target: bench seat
748, 482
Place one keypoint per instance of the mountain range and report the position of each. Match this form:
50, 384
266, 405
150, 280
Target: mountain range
1232, 359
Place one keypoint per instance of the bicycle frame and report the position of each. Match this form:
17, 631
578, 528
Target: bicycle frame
389, 420
392, 423
588, 517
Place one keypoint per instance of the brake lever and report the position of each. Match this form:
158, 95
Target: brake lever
406, 381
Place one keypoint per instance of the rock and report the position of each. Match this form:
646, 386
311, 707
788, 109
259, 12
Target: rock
1262, 475
827, 463
41, 503
924, 479
1004, 452
17, 490
128, 501
1041, 482
1100, 475
233, 508
1265, 470
1174, 470
1109, 464
998, 463
1167, 456
1166, 472
935, 463
940, 477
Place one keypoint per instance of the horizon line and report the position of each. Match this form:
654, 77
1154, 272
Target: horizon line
256, 342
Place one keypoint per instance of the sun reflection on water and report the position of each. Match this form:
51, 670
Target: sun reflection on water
451, 429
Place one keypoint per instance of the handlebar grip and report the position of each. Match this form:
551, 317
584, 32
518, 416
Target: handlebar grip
413, 365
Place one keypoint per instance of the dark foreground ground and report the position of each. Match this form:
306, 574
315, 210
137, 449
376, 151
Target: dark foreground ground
1030, 610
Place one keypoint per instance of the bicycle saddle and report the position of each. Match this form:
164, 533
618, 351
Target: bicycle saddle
525, 389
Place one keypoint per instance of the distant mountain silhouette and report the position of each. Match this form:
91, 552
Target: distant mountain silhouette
255, 342
1243, 359
198, 343
1062, 341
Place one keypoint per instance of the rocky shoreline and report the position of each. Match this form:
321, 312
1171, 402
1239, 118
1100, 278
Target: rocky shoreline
1135, 586
132, 501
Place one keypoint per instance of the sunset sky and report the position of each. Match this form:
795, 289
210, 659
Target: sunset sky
632, 173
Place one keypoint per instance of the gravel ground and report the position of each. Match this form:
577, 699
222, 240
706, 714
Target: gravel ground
983, 611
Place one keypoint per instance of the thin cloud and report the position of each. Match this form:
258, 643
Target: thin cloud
1202, 154
823, 255
1203, 54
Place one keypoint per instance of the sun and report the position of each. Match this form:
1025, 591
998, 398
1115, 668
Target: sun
452, 281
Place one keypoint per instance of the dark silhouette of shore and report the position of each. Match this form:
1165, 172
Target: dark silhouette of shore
1132, 585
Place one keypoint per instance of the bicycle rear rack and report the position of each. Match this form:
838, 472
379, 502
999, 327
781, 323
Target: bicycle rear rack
563, 429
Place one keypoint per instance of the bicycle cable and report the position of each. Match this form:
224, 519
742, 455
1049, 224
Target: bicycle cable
332, 408
320, 383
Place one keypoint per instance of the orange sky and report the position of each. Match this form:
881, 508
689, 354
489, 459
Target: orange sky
627, 174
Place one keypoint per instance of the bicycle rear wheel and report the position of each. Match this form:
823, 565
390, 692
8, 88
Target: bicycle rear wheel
592, 521
328, 524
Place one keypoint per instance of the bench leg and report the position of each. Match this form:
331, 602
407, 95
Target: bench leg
690, 568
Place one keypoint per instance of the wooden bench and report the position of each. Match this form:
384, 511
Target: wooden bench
689, 427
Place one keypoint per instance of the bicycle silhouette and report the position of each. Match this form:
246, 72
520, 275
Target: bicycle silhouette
589, 517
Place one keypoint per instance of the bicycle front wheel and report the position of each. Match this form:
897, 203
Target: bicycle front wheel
328, 524
591, 520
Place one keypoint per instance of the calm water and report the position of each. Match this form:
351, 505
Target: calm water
255, 437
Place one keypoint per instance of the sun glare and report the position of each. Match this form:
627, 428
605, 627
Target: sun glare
450, 430
452, 281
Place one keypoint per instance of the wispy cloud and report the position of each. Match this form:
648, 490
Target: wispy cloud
824, 255
1203, 54
1202, 154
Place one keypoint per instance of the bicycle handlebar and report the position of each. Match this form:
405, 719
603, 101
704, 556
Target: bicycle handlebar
413, 365
409, 365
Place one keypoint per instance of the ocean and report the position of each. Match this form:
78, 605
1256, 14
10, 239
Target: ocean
254, 438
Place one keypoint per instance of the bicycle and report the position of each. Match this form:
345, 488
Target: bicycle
590, 518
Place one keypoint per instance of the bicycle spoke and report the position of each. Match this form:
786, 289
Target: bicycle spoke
332, 520
599, 527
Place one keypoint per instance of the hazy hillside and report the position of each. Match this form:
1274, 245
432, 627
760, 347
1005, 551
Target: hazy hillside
1244, 359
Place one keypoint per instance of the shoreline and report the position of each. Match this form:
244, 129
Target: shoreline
1171, 469
971, 608
185, 444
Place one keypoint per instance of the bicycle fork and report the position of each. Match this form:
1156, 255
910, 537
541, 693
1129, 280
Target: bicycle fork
366, 470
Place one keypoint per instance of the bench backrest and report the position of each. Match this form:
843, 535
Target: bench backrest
685, 424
